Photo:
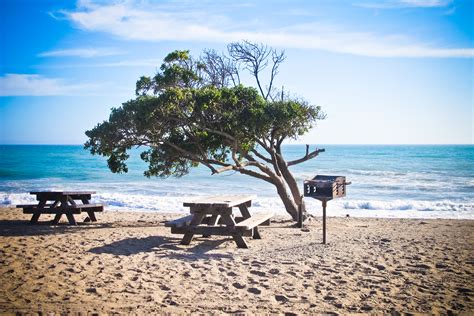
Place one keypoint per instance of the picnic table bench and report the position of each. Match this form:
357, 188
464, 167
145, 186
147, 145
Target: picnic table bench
213, 215
63, 203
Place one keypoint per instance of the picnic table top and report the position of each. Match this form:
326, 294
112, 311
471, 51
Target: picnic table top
62, 192
220, 200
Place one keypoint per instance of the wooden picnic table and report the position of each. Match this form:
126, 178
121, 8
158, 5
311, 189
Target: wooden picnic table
63, 203
212, 215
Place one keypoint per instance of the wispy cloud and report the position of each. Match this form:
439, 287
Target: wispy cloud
82, 52
37, 85
397, 4
131, 63
147, 22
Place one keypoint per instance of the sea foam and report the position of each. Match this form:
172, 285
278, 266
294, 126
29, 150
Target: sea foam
339, 207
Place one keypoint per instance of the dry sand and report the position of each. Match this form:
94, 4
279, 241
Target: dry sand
130, 263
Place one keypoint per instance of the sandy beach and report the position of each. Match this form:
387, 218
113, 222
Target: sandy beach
130, 263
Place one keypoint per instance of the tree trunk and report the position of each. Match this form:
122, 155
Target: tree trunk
292, 184
289, 179
290, 205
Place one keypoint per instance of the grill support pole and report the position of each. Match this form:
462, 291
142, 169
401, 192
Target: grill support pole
324, 202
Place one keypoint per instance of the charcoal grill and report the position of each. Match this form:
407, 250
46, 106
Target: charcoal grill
324, 188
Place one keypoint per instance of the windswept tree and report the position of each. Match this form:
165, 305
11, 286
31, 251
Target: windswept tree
196, 111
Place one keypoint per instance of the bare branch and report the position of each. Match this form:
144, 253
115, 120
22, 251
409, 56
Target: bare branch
277, 59
308, 156
219, 69
255, 58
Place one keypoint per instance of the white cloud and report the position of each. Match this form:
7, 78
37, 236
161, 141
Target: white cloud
81, 52
397, 4
132, 63
154, 23
37, 85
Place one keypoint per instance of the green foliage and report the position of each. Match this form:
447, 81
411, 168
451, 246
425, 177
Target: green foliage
183, 120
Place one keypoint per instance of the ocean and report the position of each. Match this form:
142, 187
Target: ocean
403, 181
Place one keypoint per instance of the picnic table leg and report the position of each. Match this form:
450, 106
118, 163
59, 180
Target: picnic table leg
71, 219
90, 214
239, 240
246, 214
34, 219
56, 219
256, 233
244, 210
212, 221
71, 201
188, 236
64, 204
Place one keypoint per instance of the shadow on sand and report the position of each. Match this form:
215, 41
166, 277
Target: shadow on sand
24, 228
163, 246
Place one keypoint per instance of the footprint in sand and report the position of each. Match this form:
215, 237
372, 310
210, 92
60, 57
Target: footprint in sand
281, 298
164, 288
256, 263
238, 285
254, 290
259, 273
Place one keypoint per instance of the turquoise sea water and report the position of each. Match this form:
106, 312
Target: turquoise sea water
387, 181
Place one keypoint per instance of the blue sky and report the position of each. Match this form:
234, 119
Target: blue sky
385, 72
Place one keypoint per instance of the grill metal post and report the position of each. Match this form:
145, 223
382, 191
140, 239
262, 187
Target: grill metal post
324, 188
324, 202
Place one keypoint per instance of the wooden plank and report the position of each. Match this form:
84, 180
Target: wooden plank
221, 200
220, 230
180, 222
254, 221
64, 209
31, 205
212, 230
212, 210
88, 206
62, 192
51, 211
57, 195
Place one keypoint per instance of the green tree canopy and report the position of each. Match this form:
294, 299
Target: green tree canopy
196, 112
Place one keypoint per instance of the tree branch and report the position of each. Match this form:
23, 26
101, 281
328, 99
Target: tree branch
191, 156
256, 175
259, 155
308, 156
277, 60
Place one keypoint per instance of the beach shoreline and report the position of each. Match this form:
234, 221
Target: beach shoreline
128, 262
